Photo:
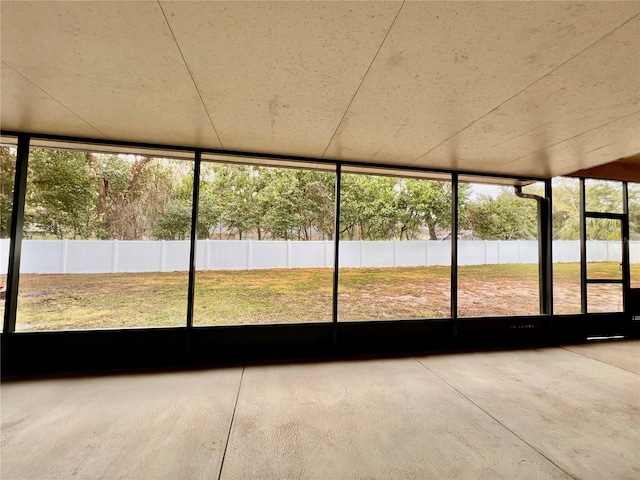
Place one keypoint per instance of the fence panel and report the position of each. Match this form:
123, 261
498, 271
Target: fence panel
438, 253
42, 256
566, 251
225, 255
350, 253
268, 254
106, 256
139, 256
472, 253
378, 254
597, 251
411, 253
176, 255
308, 254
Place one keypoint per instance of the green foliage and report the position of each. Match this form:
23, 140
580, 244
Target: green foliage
175, 221
634, 210
86, 195
60, 201
506, 217
600, 196
7, 174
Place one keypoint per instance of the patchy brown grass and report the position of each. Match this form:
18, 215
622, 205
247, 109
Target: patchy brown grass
52, 302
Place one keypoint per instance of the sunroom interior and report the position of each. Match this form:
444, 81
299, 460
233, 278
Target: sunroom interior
197, 184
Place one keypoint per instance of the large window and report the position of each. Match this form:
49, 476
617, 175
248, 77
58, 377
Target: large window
498, 250
265, 245
603, 196
7, 175
634, 232
106, 241
566, 245
395, 248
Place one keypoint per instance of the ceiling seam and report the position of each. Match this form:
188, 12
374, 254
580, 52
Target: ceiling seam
193, 80
570, 138
362, 81
55, 100
527, 87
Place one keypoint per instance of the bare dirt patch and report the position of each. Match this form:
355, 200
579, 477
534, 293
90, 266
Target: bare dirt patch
297, 295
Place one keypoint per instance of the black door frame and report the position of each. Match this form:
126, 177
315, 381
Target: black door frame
623, 217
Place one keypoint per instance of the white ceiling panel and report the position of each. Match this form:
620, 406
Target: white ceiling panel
590, 90
115, 64
278, 76
23, 104
446, 64
618, 139
518, 88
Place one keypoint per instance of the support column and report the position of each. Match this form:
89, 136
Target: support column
194, 239
17, 225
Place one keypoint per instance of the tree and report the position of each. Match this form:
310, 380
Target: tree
634, 210
506, 217
297, 204
60, 198
428, 203
369, 207
7, 174
132, 194
600, 196
175, 221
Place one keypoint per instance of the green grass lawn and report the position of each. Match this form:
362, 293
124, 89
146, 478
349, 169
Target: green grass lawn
52, 302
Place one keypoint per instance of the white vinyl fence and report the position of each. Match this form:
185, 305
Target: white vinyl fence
111, 256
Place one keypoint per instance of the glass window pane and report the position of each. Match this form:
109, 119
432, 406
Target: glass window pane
604, 248
265, 245
634, 233
498, 251
566, 245
604, 297
106, 241
395, 248
7, 175
603, 196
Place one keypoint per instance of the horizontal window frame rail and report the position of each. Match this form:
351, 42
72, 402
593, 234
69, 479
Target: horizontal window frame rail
260, 156
605, 281
605, 215
52, 352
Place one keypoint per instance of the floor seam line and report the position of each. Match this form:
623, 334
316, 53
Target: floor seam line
499, 422
233, 417
596, 360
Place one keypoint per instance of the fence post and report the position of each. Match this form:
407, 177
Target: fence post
325, 253
63, 261
485, 252
207, 254
426, 253
114, 266
249, 255
519, 256
163, 254
395, 253
289, 254
361, 244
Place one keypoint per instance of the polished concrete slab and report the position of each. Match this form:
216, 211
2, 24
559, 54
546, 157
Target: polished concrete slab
381, 419
547, 413
581, 414
623, 354
147, 426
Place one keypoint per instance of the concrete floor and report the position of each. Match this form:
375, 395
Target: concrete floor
549, 413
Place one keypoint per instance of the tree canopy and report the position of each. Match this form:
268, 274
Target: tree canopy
83, 195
